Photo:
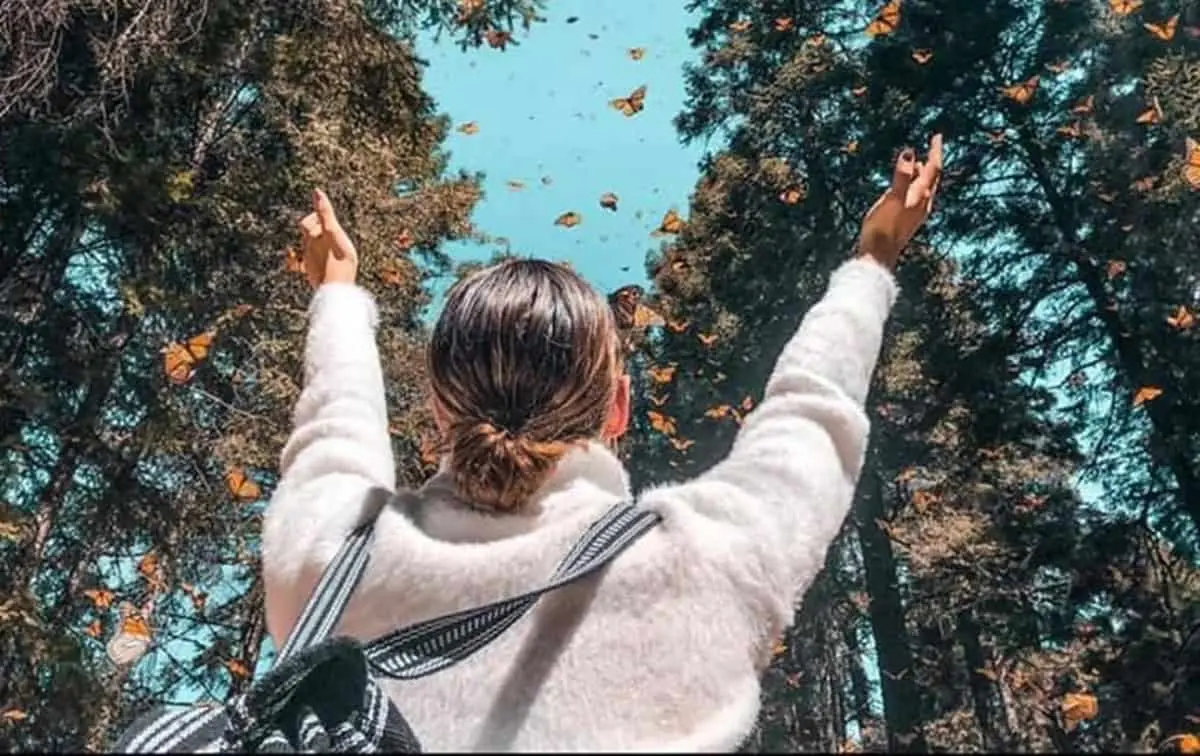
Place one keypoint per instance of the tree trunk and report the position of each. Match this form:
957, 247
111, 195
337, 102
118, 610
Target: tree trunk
991, 730
901, 696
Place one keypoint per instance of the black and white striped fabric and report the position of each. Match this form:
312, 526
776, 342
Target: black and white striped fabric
321, 695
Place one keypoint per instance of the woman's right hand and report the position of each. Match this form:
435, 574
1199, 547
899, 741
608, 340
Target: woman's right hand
329, 255
895, 217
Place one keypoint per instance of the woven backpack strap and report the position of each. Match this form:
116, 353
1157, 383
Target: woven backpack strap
435, 644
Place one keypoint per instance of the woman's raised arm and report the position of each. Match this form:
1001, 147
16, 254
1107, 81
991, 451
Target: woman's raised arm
339, 450
773, 506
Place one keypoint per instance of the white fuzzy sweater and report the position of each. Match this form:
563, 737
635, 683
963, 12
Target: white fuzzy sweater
664, 651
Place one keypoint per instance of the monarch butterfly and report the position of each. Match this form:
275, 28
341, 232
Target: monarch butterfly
1124, 7
132, 639
242, 486
608, 201
1152, 114
997, 137
1183, 319
720, 411
94, 629
784, 24
1023, 92
922, 56
885, 21
515, 185
815, 40
469, 128
682, 444
1084, 106
658, 401
237, 668
101, 598
1071, 130
661, 423
1078, 707
1191, 166
737, 27
391, 275
921, 500
1146, 394
1145, 184
792, 194
199, 598
569, 219
633, 104
707, 339
293, 261
661, 374
1115, 268
851, 147
497, 39
859, 91
625, 303
180, 360
1164, 31
671, 223
677, 326
405, 240
1058, 68
637, 53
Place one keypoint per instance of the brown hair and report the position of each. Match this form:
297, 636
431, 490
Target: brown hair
523, 363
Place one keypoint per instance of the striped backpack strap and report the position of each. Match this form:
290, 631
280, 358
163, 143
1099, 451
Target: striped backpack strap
433, 645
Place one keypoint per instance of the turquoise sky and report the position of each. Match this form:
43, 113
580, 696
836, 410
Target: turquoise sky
543, 112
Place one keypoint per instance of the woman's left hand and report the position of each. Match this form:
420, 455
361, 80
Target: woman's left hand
329, 255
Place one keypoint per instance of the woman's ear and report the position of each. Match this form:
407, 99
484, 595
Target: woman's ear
618, 412
439, 415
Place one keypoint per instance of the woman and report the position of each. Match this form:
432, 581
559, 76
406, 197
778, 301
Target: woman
662, 652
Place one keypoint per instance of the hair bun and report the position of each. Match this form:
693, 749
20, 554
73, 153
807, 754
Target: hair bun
495, 468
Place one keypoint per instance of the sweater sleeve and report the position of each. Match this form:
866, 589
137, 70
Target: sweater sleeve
772, 507
338, 454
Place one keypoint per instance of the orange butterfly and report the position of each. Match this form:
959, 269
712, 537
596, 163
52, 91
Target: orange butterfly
922, 56
1115, 268
707, 339
677, 326
1058, 68
101, 598
1152, 114
633, 104
681, 444
569, 219
997, 137
671, 223
886, 21
1164, 31
1124, 7
737, 27
199, 598
293, 261
469, 128
783, 24
1085, 106
658, 401
497, 39
391, 274
405, 240
180, 359
661, 423
859, 91
1023, 92
1191, 166
626, 303
637, 53
1146, 394
132, 638
792, 194
815, 40
237, 668
241, 486
608, 201
922, 500
720, 411
94, 629
1182, 320
662, 374
1071, 130
149, 568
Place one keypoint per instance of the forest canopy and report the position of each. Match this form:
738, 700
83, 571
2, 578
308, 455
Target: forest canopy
1020, 569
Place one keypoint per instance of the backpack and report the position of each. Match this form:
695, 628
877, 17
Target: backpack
322, 696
